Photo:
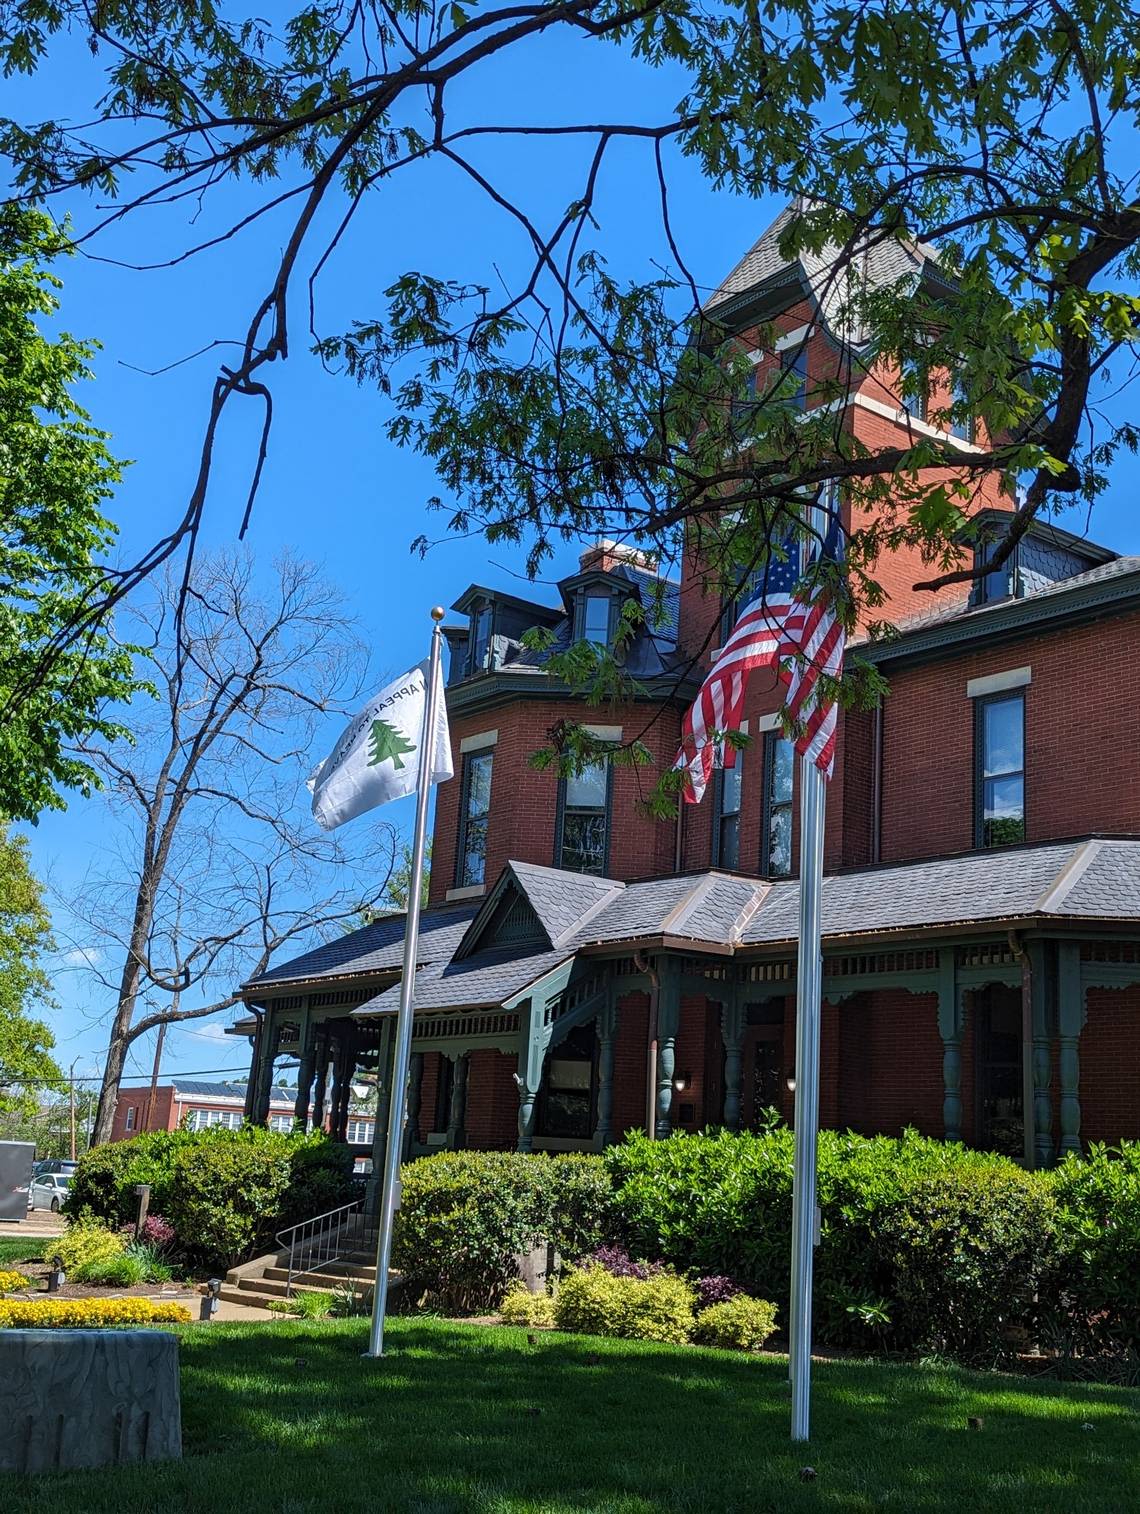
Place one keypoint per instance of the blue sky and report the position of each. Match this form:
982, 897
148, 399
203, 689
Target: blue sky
334, 489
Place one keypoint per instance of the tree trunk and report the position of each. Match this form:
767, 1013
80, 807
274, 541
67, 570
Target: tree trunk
112, 1076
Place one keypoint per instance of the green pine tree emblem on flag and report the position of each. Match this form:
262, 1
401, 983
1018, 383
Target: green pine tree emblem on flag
384, 742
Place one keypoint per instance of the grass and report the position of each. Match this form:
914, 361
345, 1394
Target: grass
287, 1419
15, 1248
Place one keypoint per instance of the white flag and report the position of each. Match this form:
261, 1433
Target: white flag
378, 756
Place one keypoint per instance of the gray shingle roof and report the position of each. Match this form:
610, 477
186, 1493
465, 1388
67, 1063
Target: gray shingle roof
880, 265
1095, 879
561, 899
376, 948
958, 610
194, 1088
473, 982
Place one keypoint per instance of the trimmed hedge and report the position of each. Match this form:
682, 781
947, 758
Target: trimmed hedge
225, 1192
739, 1323
924, 1245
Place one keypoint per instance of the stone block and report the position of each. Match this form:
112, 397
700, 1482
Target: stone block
88, 1398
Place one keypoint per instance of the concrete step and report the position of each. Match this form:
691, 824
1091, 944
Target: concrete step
338, 1272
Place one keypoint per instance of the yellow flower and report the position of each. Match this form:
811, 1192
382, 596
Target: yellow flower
87, 1313
12, 1282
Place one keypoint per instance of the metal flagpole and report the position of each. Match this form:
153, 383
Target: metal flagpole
809, 991
390, 1190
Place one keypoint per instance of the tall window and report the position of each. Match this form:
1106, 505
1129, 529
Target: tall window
793, 386
481, 639
596, 619
727, 836
915, 382
130, 1125
779, 778
475, 810
584, 829
962, 429
999, 745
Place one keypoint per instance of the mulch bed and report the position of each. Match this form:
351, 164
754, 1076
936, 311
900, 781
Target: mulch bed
38, 1272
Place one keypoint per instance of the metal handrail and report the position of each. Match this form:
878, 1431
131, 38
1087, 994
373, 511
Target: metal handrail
321, 1235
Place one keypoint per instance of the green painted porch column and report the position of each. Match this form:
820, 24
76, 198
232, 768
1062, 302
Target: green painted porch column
270, 1038
457, 1109
1070, 1021
606, 1024
732, 1031
306, 1063
383, 1102
1043, 1152
951, 1022
415, 1095
668, 1018
320, 1088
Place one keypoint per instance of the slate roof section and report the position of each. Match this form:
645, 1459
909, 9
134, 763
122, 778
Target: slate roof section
562, 900
478, 982
958, 611
652, 652
195, 1088
878, 265
1096, 879
376, 948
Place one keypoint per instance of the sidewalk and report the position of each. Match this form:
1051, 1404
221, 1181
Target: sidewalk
39, 1224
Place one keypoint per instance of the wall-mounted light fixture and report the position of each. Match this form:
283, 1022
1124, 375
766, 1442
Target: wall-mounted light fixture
790, 1082
682, 1081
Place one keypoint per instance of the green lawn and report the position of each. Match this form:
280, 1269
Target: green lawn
14, 1249
288, 1419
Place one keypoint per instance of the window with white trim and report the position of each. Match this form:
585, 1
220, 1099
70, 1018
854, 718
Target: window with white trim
726, 839
584, 819
779, 786
475, 814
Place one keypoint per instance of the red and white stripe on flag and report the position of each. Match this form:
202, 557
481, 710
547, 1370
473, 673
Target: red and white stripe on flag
780, 629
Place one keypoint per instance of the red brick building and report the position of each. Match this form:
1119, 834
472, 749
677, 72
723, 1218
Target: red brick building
197, 1105
585, 969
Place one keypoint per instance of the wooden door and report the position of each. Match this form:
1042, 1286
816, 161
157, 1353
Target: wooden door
763, 1073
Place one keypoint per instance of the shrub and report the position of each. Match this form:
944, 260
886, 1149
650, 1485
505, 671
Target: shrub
463, 1216
224, 1193
715, 1290
157, 1233
351, 1300
595, 1302
13, 1282
1097, 1279
582, 1204
522, 1307
84, 1243
948, 1245
232, 1190
739, 1323
105, 1177
617, 1260
87, 1313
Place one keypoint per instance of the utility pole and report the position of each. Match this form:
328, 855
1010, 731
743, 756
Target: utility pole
154, 1071
71, 1110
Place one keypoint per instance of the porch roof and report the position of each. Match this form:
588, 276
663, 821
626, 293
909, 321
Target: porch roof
1090, 880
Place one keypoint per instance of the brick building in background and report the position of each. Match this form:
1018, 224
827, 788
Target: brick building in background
197, 1105
585, 969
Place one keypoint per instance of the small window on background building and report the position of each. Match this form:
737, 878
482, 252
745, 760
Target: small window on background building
585, 820
793, 388
596, 620
481, 639
130, 1125
1000, 758
475, 813
727, 835
779, 781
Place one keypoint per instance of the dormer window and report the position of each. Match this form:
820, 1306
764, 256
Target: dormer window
596, 610
481, 626
1002, 582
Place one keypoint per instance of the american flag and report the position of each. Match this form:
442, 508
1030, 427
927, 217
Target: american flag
778, 628
813, 645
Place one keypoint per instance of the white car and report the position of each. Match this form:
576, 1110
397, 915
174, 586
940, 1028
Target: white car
49, 1190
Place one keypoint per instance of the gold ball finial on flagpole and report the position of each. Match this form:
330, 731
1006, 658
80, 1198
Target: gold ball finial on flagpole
438, 612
